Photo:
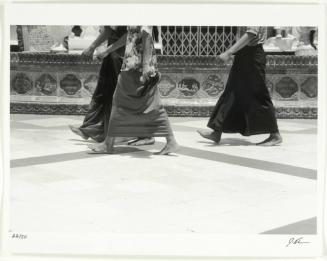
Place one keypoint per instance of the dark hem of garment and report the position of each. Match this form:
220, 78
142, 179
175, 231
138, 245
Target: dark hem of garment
139, 135
246, 134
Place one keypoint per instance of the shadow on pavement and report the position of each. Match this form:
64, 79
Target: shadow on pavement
228, 142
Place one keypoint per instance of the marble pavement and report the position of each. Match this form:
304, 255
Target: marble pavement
233, 188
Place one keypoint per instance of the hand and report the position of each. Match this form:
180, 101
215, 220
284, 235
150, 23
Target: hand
101, 54
88, 52
147, 71
226, 56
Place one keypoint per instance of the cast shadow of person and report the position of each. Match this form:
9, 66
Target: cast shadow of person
229, 142
144, 151
129, 151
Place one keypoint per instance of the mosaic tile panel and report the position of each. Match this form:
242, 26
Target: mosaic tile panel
90, 83
199, 84
22, 83
188, 87
214, 85
167, 85
70, 85
46, 84
286, 88
309, 87
63, 79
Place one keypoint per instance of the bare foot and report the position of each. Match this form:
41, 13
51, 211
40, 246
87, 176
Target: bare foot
78, 132
272, 140
142, 141
210, 135
169, 148
101, 148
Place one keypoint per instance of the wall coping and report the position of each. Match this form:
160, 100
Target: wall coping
280, 61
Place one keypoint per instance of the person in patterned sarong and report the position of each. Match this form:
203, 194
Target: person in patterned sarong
95, 123
138, 111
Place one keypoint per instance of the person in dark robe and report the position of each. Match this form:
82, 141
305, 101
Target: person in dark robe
245, 106
95, 124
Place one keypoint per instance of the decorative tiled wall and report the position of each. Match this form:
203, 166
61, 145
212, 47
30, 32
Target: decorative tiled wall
190, 86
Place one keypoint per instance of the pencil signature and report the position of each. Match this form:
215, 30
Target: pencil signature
296, 241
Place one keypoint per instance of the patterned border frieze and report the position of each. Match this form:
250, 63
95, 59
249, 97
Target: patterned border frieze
175, 111
165, 61
50, 58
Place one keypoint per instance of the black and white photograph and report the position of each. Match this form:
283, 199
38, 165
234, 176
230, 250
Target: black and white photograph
156, 138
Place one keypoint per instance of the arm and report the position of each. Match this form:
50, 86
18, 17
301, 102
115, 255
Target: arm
116, 45
242, 42
99, 40
311, 38
147, 44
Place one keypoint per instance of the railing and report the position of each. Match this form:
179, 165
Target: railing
197, 40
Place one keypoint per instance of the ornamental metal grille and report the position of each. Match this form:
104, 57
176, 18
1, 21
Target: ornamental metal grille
197, 40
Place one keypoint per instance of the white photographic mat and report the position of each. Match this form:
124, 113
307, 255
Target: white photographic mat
126, 237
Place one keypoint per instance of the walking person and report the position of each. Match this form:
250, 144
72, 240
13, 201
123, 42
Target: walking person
137, 110
245, 106
95, 124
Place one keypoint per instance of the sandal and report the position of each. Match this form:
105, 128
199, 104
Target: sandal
141, 142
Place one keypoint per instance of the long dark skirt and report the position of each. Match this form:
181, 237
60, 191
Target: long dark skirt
245, 106
95, 124
135, 115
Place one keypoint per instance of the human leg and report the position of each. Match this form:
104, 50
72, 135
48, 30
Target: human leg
106, 147
170, 147
171, 143
213, 135
273, 139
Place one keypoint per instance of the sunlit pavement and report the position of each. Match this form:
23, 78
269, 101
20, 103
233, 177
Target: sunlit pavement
233, 188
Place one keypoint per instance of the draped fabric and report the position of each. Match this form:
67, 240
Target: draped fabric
95, 124
245, 106
136, 115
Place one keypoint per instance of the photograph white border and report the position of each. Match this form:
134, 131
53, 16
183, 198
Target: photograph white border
234, 14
